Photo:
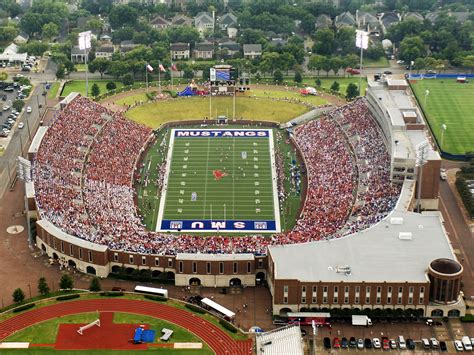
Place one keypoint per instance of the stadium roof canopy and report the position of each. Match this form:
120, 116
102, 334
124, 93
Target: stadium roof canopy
397, 249
281, 341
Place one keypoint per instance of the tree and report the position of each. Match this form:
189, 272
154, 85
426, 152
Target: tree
316, 62
95, 285
318, 82
411, 48
95, 91
99, 64
468, 62
335, 86
352, 91
18, 295
298, 77
3, 76
66, 282
128, 79
326, 65
50, 30
278, 76
111, 86
324, 43
188, 73
336, 64
60, 72
122, 15
43, 287
18, 105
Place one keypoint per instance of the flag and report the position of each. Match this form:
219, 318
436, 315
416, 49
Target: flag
174, 67
162, 68
149, 68
362, 39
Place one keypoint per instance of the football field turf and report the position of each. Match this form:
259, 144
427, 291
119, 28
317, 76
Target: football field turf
220, 180
452, 104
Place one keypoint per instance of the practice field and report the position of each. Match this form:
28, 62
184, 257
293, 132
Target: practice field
220, 180
452, 104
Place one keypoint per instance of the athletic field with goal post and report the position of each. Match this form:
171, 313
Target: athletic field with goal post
450, 103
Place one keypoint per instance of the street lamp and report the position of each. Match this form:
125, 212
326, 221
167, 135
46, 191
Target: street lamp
443, 129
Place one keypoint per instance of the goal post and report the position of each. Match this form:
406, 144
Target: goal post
87, 326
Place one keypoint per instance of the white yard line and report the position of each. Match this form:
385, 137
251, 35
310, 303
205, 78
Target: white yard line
164, 189
205, 182
276, 204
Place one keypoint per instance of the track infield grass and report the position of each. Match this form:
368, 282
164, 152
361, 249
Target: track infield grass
452, 104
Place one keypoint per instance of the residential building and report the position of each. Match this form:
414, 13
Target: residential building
181, 20
231, 47
160, 23
78, 56
367, 21
252, 51
346, 19
104, 51
232, 32
204, 50
227, 20
11, 56
204, 21
323, 21
180, 51
127, 46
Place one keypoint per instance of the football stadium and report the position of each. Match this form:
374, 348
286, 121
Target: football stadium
306, 207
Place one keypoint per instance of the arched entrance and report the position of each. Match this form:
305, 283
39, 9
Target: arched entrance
284, 312
235, 282
115, 269
91, 270
43, 247
156, 274
55, 256
194, 282
129, 270
454, 313
170, 275
437, 313
72, 263
260, 278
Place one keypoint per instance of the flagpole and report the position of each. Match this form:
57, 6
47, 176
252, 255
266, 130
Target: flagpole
159, 78
171, 75
146, 76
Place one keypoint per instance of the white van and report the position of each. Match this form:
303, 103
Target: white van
426, 343
401, 342
466, 342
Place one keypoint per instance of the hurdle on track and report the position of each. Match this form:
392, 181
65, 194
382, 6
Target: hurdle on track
87, 326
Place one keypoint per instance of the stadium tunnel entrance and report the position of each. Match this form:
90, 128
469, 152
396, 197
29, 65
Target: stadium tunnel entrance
194, 282
72, 263
235, 282
260, 278
91, 270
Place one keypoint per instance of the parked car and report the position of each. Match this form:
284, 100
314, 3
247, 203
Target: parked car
443, 346
387, 72
376, 343
344, 343
352, 71
28, 109
327, 343
368, 343
360, 344
385, 343
393, 344
434, 343
336, 344
352, 342
458, 345
426, 343
411, 344
466, 342
21, 125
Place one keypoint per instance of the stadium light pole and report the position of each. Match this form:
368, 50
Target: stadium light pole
443, 129
362, 42
427, 93
421, 152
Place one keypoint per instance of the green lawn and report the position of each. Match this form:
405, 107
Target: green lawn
452, 104
374, 63
54, 90
130, 100
155, 114
80, 86
46, 332
286, 94
326, 82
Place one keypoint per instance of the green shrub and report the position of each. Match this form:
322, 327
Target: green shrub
468, 318
67, 297
24, 307
195, 308
156, 298
112, 294
228, 326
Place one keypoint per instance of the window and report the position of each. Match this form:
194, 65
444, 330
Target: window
285, 300
285, 289
194, 267
357, 289
314, 295
411, 289
115, 256
90, 256
130, 258
157, 261
399, 300
249, 267
367, 295
377, 300
143, 260
80, 253
62, 246
389, 300
208, 267
389, 290
325, 289
422, 295
235, 268
356, 300
221, 268
303, 294
379, 289
346, 299
71, 251
346, 289
260, 263
54, 243
410, 300
170, 262
181, 267
325, 299
336, 289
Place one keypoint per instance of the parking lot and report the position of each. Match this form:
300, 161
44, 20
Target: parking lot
9, 117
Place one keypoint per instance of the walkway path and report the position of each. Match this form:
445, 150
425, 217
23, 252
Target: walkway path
217, 339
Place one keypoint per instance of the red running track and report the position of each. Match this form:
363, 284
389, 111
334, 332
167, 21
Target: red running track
217, 339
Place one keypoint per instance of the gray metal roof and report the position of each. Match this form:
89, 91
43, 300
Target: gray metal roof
377, 254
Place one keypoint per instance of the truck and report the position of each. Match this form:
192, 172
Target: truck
361, 320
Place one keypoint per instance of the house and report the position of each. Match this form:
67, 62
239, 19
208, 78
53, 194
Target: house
203, 50
252, 51
278, 42
78, 55
323, 21
232, 32
127, 46
227, 20
389, 19
346, 19
366, 21
204, 21
180, 51
160, 23
232, 47
106, 38
21, 38
181, 20
11, 55
105, 51
413, 15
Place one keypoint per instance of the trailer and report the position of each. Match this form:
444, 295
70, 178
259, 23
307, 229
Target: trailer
361, 320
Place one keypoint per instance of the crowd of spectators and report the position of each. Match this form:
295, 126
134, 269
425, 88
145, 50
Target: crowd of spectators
83, 181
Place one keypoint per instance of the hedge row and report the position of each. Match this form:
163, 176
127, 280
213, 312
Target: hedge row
468, 318
67, 297
228, 326
112, 294
156, 298
24, 307
195, 308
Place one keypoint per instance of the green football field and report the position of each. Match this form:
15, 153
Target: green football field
452, 104
219, 179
